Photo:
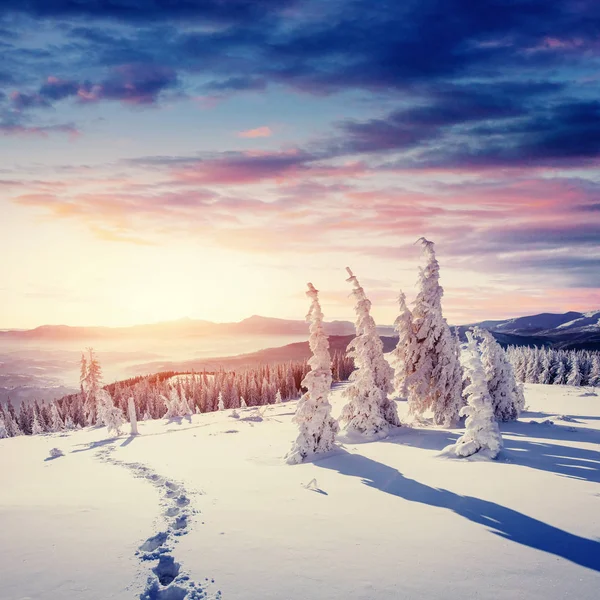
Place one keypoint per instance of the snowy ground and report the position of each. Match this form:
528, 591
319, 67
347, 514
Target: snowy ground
383, 520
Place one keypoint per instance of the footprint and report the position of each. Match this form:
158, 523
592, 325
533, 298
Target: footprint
154, 592
172, 512
166, 570
183, 500
172, 486
180, 522
154, 542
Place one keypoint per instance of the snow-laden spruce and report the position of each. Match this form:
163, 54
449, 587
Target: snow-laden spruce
109, 414
56, 423
36, 426
482, 435
369, 411
507, 395
403, 326
3, 428
435, 379
313, 414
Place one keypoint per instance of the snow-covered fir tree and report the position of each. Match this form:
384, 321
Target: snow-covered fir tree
313, 413
36, 426
91, 383
482, 435
172, 402
220, 404
506, 394
243, 403
278, 398
575, 376
3, 428
108, 414
594, 377
369, 411
399, 359
132, 416
10, 420
56, 424
434, 382
561, 372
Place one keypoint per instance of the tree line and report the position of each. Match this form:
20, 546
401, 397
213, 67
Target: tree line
155, 396
553, 366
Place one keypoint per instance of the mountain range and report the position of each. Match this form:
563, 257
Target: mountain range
569, 330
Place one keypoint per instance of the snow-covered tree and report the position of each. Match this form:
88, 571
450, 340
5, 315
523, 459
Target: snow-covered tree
313, 413
403, 326
220, 404
547, 367
278, 399
560, 378
507, 395
594, 376
108, 414
132, 416
243, 402
481, 435
91, 383
184, 409
36, 426
172, 402
11, 421
56, 422
3, 428
369, 411
574, 371
69, 423
433, 355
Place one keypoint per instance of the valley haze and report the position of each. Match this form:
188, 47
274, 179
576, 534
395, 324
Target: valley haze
43, 363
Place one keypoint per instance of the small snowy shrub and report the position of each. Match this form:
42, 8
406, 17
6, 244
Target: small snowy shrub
56, 452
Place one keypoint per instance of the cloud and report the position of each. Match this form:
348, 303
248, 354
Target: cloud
7, 129
256, 133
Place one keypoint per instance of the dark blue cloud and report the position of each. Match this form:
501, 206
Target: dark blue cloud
144, 10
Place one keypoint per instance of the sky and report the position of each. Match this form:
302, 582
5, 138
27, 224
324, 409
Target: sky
162, 159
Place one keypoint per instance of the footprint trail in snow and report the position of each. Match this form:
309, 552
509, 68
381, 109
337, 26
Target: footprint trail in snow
167, 579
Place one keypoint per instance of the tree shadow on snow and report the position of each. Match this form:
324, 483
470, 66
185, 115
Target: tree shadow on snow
568, 461
128, 440
551, 431
94, 445
500, 520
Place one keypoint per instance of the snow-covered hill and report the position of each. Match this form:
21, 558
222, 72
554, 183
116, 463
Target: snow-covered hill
207, 507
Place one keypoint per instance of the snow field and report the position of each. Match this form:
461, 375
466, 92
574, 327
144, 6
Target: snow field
388, 519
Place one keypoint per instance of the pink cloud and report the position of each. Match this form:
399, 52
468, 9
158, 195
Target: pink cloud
259, 132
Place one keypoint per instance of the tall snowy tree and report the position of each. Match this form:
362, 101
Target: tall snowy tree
433, 356
506, 394
369, 411
482, 435
278, 399
399, 360
313, 413
220, 403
